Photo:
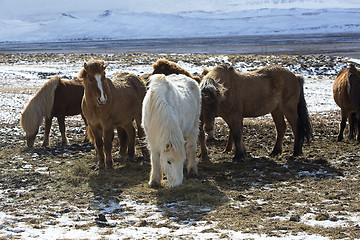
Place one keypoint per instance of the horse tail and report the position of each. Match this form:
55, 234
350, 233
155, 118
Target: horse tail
39, 106
304, 128
354, 87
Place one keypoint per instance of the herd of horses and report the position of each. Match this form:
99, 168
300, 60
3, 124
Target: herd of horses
170, 109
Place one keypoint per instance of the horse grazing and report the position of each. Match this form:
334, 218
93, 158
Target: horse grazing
346, 91
108, 104
166, 67
171, 112
57, 98
235, 95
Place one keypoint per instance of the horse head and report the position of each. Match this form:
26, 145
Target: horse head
172, 159
212, 93
93, 77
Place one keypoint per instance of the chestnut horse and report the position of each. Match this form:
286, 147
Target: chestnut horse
108, 104
235, 95
346, 91
166, 67
57, 98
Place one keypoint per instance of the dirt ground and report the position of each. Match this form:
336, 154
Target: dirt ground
261, 195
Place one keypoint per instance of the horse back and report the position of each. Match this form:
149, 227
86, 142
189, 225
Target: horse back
130, 83
258, 92
128, 92
68, 97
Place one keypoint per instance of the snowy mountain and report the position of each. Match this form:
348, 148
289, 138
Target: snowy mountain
43, 21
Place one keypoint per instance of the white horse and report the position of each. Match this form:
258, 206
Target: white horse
171, 112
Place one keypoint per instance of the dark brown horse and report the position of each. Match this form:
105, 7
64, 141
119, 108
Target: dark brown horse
57, 98
346, 91
111, 103
234, 95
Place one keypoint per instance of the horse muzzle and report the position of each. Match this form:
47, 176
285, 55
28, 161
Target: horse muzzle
101, 101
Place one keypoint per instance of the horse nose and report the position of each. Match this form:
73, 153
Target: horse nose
101, 100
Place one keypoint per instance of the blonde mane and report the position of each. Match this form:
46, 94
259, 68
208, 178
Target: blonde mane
39, 106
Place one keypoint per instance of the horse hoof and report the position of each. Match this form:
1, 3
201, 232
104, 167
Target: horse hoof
192, 173
296, 154
109, 166
239, 159
274, 154
101, 166
206, 159
154, 184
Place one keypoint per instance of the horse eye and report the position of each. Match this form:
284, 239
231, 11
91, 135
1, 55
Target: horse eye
169, 162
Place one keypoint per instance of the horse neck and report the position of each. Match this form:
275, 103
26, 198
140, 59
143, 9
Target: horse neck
353, 83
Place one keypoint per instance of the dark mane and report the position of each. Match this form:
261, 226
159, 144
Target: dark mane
354, 86
226, 67
163, 66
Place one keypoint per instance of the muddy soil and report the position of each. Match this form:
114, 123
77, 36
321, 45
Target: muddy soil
317, 193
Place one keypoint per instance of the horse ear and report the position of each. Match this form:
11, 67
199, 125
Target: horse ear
82, 73
168, 146
103, 65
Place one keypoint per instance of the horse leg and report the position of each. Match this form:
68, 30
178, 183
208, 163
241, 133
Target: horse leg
229, 143
99, 146
352, 123
86, 138
130, 132
108, 142
280, 126
291, 116
64, 139
344, 116
210, 135
190, 148
203, 149
236, 131
48, 122
141, 136
357, 121
156, 173
123, 141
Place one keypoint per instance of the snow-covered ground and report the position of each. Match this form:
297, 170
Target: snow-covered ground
43, 21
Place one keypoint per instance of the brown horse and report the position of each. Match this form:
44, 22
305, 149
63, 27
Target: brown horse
346, 91
109, 104
57, 98
234, 95
166, 67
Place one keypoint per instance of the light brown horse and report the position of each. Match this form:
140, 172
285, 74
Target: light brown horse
57, 98
235, 95
166, 67
346, 91
111, 103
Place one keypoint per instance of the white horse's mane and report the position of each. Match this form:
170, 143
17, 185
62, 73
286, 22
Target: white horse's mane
162, 122
171, 113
